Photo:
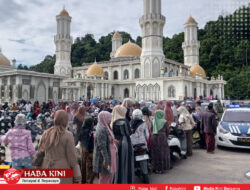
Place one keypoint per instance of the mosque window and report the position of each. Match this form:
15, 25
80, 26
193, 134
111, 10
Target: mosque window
171, 91
126, 75
137, 73
106, 75
126, 93
116, 75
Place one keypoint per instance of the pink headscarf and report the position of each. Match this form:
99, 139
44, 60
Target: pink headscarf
159, 106
104, 119
169, 115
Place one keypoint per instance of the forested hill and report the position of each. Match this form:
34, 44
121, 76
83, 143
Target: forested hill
225, 50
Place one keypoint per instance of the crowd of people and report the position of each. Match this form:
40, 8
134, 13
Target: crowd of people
101, 145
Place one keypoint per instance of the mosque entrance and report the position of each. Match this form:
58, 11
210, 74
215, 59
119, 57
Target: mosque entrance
126, 93
41, 93
90, 91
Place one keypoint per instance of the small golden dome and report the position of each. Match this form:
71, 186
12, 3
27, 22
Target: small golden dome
128, 49
117, 35
190, 20
95, 70
64, 12
197, 70
4, 61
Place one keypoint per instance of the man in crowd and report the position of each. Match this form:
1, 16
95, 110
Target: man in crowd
208, 127
219, 109
28, 107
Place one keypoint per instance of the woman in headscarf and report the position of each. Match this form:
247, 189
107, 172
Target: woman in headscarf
159, 149
74, 108
78, 122
140, 135
58, 145
159, 106
87, 144
128, 103
70, 115
187, 123
168, 113
122, 132
105, 150
20, 144
139, 129
146, 117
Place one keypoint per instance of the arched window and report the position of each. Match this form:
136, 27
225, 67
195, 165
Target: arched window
137, 73
126, 93
171, 91
116, 75
125, 75
106, 75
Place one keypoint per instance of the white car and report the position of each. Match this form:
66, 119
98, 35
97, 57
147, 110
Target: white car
234, 128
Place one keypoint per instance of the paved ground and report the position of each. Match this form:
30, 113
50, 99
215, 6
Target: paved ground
225, 166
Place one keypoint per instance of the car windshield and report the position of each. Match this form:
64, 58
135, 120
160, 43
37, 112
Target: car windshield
237, 116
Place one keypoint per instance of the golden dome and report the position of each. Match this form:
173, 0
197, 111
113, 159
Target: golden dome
128, 50
64, 12
4, 60
117, 35
197, 70
95, 70
190, 20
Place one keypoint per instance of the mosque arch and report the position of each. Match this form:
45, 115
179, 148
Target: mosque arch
113, 91
106, 75
147, 68
115, 75
79, 75
55, 97
126, 93
195, 93
147, 28
90, 91
25, 95
137, 73
157, 92
171, 91
156, 66
41, 92
126, 74
144, 92
150, 91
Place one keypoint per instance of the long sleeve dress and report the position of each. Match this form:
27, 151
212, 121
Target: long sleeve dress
125, 166
160, 153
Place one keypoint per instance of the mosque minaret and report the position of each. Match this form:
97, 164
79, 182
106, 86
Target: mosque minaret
63, 42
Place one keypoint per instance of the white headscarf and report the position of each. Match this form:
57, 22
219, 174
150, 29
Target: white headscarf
137, 114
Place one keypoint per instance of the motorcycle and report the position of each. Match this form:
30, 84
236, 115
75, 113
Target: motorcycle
34, 129
176, 142
6, 123
141, 162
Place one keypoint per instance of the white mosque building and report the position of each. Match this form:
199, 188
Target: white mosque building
141, 73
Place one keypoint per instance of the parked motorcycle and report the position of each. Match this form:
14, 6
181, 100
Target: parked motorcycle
176, 142
34, 129
141, 162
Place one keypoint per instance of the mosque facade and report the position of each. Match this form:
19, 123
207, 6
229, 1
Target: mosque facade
141, 73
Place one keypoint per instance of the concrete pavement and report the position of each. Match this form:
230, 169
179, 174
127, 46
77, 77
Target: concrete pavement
225, 166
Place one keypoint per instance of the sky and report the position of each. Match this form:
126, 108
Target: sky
27, 27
